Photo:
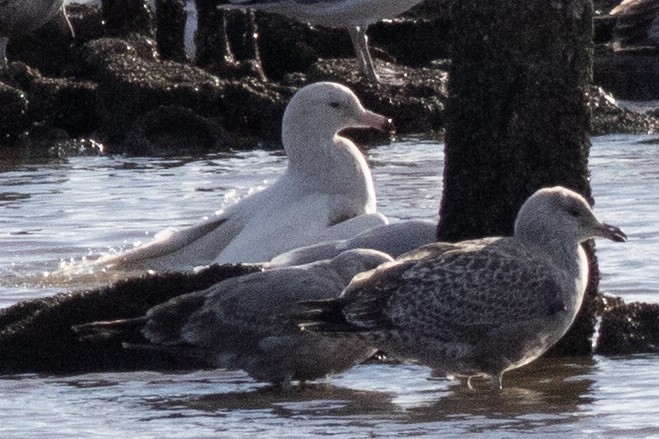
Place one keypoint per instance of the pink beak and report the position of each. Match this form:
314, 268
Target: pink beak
370, 119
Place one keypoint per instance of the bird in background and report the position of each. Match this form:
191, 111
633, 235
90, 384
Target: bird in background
353, 15
479, 307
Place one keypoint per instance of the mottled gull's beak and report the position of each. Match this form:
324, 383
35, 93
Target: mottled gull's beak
612, 232
370, 119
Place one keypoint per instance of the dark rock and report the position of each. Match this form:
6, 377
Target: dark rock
170, 29
637, 23
609, 117
47, 49
46, 142
412, 42
431, 9
287, 46
629, 329
36, 335
628, 74
132, 82
172, 130
255, 108
13, 113
627, 55
122, 17
65, 103
211, 39
102, 86
86, 20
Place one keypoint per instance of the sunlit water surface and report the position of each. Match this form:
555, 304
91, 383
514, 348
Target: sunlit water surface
54, 214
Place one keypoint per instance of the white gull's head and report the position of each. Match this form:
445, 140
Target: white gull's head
325, 108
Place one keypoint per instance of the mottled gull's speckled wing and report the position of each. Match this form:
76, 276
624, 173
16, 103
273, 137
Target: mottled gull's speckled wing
463, 291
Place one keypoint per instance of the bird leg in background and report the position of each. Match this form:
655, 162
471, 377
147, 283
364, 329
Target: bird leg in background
364, 60
3, 52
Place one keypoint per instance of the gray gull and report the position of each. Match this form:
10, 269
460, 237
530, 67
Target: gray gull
479, 307
353, 15
244, 322
392, 239
22, 16
326, 193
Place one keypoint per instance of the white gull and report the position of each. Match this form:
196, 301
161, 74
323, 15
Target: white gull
244, 322
479, 307
22, 16
326, 193
353, 15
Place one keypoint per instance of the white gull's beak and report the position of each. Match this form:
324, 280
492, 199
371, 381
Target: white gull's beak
369, 119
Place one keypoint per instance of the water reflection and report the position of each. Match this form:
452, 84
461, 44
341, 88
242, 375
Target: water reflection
548, 394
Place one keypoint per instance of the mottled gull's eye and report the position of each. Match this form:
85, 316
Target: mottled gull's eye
573, 210
334, 104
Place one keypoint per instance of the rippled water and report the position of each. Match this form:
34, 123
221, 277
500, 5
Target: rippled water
52, 213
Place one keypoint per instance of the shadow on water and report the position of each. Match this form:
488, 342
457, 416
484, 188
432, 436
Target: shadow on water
544, 395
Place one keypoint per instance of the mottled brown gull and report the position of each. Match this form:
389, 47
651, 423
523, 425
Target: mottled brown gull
326, 193
244, 322
480, 307
353, 15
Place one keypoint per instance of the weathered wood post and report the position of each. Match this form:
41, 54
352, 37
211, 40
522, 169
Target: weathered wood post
518, 119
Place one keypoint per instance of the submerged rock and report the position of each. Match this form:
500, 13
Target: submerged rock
629, 329
13, 113
170, 129
609, 116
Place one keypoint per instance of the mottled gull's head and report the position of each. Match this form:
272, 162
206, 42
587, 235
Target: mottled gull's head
559, 214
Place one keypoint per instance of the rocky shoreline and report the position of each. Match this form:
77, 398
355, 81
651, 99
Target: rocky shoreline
124, 83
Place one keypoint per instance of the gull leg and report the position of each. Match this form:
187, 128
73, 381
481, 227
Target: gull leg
497, 381
364, 60
3, 52
227, 52
65, 23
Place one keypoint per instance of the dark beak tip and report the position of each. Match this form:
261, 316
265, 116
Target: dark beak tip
615, 234
621, 237
389, 126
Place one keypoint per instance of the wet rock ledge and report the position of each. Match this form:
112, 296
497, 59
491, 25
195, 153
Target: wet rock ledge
126, 83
